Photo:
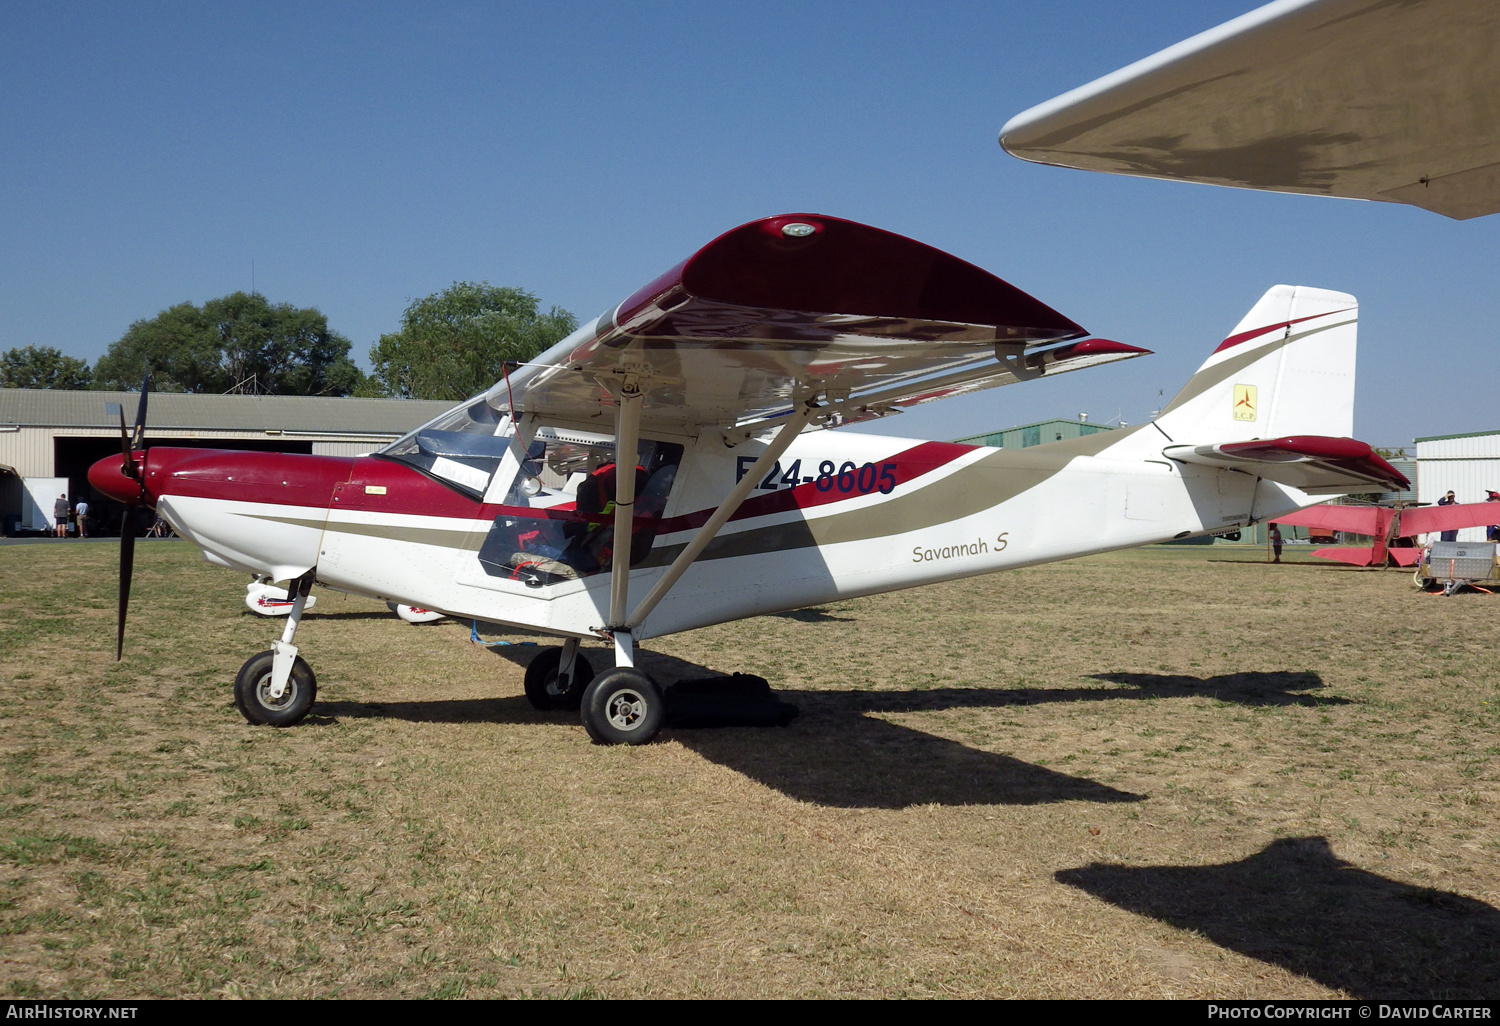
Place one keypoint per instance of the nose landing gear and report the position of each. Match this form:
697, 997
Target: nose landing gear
277, 688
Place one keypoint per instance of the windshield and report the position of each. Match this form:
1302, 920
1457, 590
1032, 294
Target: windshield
463, 447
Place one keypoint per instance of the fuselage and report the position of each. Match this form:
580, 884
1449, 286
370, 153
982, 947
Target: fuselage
841, 515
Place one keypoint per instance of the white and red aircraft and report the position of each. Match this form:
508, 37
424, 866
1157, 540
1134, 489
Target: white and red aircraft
715, 379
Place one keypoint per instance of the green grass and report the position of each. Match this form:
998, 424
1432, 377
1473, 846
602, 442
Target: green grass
1146, 774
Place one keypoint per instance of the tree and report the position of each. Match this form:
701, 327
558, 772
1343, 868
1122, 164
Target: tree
42, 367
238, 342
453, 344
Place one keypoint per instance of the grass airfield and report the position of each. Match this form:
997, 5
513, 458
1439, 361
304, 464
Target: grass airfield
1169, 772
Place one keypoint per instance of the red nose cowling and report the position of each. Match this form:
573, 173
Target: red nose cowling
109, 477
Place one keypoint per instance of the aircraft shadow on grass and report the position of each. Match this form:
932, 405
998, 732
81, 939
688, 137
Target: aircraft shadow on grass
1297, 905
1280, 687
837, 753
832, 754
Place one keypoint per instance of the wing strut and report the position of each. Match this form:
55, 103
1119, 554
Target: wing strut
784, 437
627, 439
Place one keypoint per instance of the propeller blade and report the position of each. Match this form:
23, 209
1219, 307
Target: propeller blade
140, 413
127, 566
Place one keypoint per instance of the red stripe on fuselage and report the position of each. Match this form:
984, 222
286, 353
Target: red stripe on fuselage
368, 485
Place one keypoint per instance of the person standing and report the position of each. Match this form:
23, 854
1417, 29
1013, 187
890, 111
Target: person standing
81, 517
1276, 542
60, 514
1492, 533
1448, 500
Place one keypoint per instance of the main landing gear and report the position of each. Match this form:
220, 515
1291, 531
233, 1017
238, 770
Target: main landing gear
620, 706
277, 688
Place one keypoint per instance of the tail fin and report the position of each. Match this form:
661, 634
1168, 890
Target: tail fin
1286, 369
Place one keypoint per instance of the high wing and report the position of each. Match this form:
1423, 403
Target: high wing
1374, 521
803, 304
1430, 519
1366, 99
1312, 463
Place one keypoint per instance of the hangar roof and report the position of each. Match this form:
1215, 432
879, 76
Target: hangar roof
1467, 434
40, 407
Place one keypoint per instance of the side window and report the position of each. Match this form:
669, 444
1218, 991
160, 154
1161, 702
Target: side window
463, 448
558, 523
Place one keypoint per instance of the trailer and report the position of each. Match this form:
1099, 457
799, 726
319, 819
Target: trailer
1449, 566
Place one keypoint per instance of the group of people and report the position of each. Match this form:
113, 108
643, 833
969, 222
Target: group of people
62, 511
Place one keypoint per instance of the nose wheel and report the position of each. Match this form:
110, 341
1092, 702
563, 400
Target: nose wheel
255, 696
277, 687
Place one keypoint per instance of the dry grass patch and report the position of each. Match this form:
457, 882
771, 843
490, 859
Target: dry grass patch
1146, 774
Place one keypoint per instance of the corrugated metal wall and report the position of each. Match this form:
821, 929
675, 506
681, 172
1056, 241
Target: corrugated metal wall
28, 450
350, 448
1035, 434
1467, 465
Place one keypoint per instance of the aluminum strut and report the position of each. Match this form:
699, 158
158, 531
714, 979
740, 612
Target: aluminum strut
784, 437
627, 435
284, 653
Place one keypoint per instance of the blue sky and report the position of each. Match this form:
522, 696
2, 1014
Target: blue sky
360, 155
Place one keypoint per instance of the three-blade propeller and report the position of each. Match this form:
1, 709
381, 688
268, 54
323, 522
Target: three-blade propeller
130, 442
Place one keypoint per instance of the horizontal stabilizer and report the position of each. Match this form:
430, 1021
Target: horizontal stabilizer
1313, 463
1367, 556
1345, 554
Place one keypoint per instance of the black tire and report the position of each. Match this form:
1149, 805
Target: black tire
252, 684
542, 689
622, 706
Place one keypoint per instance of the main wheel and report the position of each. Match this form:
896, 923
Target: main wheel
252, 692
622, 706
545, 691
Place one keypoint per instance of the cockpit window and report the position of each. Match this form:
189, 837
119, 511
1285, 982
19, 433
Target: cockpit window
569, 480
463, 447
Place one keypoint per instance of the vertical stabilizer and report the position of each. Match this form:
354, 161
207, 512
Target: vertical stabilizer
1286, 369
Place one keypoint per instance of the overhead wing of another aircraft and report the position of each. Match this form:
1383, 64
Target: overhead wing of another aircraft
874, 320
1366, 99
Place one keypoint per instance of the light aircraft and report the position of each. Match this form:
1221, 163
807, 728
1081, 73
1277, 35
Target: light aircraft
1392, 530
714, 381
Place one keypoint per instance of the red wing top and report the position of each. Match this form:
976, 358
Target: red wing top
1373, 520
1370, 520
803, 301
1429, 519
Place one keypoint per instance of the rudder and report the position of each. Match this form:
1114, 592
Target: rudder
1286, 369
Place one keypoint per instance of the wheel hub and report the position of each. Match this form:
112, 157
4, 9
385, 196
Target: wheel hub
625, 709
263, 693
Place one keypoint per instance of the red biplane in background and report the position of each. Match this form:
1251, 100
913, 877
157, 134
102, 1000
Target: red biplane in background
1390, 528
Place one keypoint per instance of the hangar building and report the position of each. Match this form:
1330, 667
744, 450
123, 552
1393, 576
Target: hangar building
1468, 465
1035, 434
50, 437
